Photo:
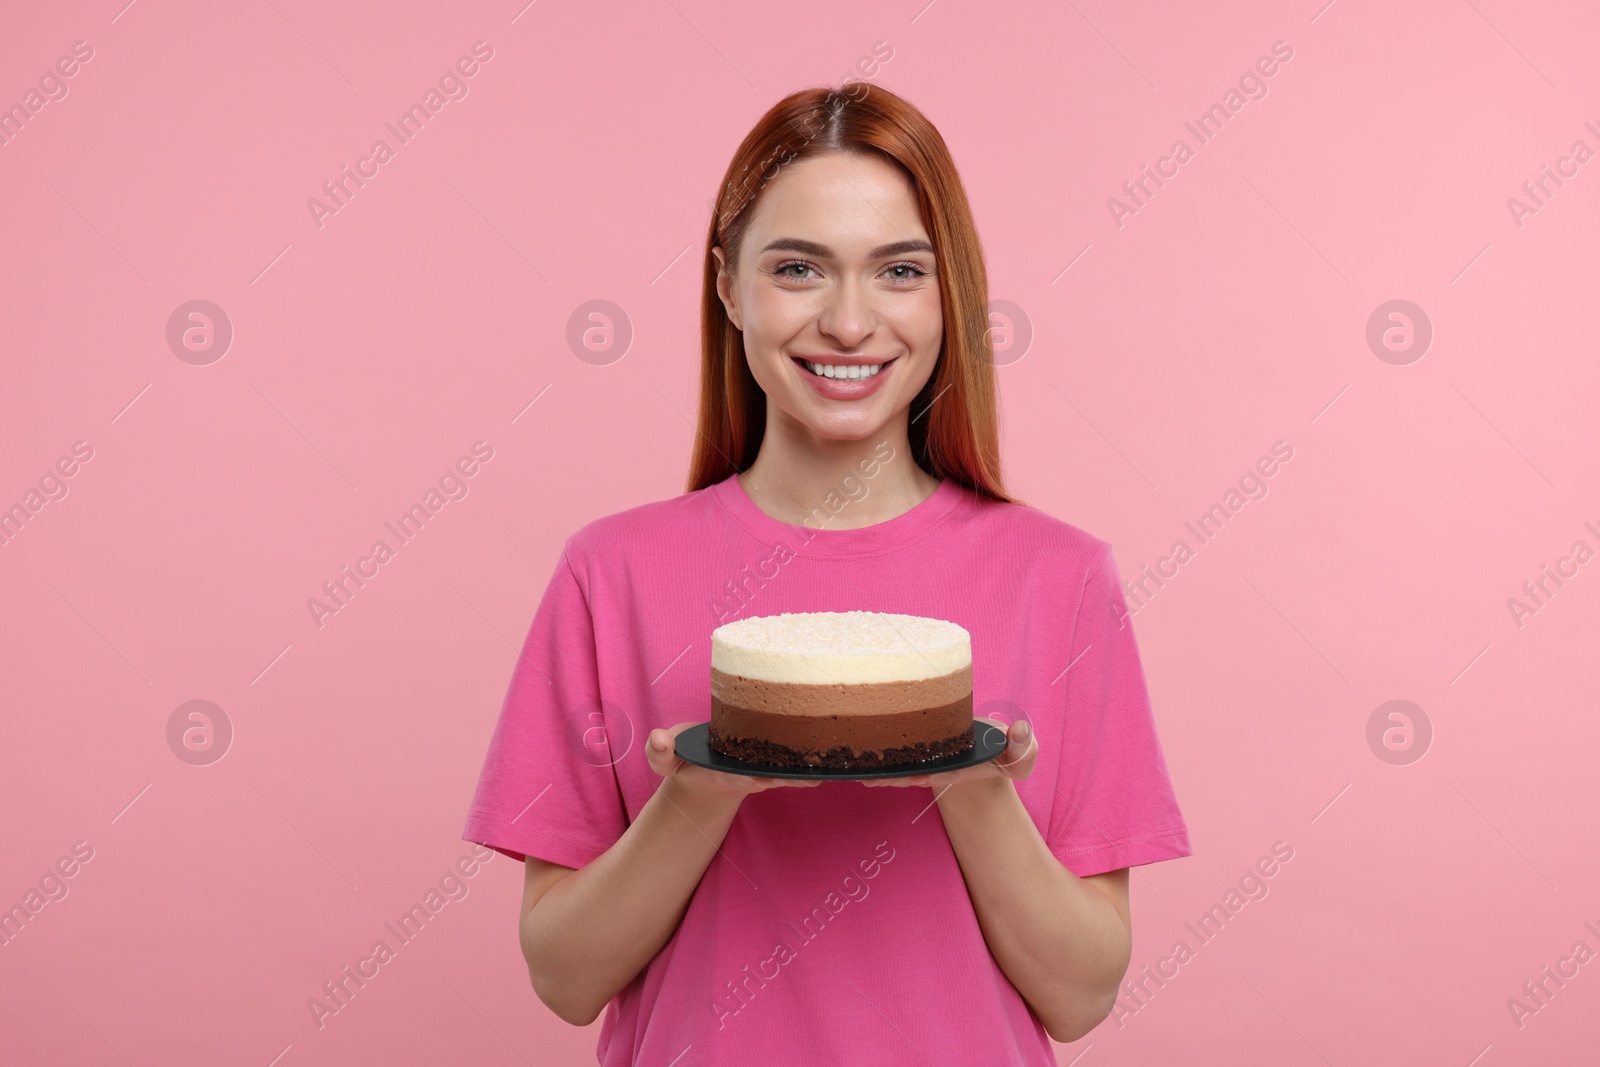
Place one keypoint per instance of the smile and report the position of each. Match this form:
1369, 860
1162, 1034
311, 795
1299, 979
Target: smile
847, 371
845, 380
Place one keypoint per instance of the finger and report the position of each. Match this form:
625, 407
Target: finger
1021, 750
659, 751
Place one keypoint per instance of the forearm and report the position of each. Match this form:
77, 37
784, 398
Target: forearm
597, 928
1058, 939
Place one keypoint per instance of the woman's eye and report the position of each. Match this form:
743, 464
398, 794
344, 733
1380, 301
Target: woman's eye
795, 269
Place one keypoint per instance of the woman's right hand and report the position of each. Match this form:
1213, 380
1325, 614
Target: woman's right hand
659, 749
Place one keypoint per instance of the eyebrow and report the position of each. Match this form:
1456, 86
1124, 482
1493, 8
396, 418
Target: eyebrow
811, 248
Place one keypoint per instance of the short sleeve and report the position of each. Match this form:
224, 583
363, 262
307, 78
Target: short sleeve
1114, 804
548, 787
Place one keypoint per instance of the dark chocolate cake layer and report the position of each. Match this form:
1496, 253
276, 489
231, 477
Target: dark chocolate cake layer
842, 739
845, 757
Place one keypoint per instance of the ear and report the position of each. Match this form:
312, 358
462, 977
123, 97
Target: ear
725, 288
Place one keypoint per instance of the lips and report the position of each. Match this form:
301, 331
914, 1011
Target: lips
845, 388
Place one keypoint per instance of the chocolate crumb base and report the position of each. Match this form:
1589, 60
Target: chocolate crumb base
752, 750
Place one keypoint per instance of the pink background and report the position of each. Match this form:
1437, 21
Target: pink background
369, 354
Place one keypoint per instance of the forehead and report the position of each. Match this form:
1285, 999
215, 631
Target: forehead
841, 199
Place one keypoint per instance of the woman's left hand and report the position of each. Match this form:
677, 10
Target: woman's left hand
1016, 762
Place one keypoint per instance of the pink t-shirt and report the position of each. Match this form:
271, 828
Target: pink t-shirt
834, 925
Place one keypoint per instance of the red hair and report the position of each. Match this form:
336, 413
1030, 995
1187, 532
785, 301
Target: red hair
954, 429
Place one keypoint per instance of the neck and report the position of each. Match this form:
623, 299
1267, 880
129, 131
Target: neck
837, 485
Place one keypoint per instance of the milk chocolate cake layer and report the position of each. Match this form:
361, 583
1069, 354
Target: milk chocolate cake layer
820, 698
842, 738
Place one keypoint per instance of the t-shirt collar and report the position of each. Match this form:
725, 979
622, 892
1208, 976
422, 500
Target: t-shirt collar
821, 541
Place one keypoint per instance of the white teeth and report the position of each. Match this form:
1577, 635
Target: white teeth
851, 371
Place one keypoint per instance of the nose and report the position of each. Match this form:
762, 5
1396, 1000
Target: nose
847, 315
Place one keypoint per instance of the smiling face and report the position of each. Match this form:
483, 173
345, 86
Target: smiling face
837, 297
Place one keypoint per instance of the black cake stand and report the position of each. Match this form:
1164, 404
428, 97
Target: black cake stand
694, 746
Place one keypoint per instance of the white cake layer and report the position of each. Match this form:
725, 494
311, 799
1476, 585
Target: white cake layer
840, 648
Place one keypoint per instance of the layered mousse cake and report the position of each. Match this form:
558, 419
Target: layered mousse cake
852, 689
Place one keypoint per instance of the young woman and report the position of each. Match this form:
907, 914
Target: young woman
846, 458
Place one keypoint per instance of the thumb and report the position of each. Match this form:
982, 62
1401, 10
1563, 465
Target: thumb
658, 752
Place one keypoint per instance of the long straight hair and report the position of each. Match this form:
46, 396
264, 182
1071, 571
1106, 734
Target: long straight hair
954, 429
